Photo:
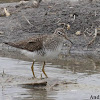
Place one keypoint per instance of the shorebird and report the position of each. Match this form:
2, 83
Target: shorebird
42, 47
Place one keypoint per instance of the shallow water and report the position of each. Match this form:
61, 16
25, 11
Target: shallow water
87, 79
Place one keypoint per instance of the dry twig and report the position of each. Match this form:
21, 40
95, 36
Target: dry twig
6, 12
27, 20
95, 35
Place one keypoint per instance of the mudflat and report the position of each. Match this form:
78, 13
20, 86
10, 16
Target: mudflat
80, 19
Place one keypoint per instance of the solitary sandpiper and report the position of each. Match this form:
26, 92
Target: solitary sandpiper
42, 47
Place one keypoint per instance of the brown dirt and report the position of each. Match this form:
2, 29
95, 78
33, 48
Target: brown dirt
44, 19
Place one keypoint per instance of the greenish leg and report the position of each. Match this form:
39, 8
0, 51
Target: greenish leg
44, 70
32, 68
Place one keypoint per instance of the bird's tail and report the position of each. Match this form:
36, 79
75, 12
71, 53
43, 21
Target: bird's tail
10, 44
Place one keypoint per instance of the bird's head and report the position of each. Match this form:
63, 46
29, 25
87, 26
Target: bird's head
60, 32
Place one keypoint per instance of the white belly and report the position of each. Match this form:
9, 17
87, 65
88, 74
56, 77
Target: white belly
48, 56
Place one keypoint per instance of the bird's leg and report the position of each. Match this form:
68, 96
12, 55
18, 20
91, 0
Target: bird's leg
32, 68
43, 70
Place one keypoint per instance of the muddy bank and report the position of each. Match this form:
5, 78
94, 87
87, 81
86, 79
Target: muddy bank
25, 20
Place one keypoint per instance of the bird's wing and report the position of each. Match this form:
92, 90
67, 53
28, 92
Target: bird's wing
31, 44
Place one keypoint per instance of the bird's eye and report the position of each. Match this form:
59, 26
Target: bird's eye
59, 32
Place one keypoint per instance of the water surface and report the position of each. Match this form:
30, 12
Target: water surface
87, 79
